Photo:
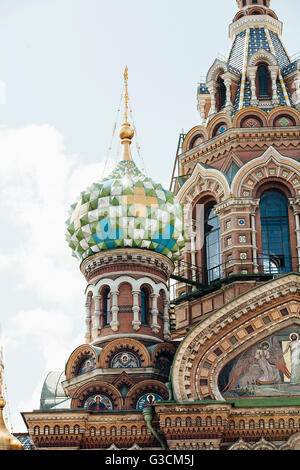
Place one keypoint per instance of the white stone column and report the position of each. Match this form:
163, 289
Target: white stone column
201, 108
297, 223
114, 324
254, 244
274, 74
136, 323
96, 318
227, 82
88, 319
167, 332
154, 312
252, 77
212, 90
193, 256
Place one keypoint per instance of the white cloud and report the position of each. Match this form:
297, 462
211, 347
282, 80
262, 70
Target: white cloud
38, 182
52, 332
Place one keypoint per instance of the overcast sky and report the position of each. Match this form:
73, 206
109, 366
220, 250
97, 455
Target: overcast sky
62, 63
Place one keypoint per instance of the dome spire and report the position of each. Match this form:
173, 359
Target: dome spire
126, 131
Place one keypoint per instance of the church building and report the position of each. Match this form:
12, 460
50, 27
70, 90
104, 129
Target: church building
192, 313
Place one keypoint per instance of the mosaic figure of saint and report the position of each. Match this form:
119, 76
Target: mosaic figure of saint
99, 403
260, 365
86, 366
125, 360
294, 348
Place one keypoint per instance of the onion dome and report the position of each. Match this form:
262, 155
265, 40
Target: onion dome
126, 210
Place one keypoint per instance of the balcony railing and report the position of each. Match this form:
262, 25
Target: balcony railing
188, 277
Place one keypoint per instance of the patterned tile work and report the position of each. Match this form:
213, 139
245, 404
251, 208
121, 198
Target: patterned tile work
202, 89
236, 56
253, 40
280, 52
126, 209
244, 69
289, 68
282, 83
26, 441
257, 40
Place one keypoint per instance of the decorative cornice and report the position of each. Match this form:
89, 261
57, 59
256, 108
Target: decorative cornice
252, 21
236, 202
125, 256
260, 134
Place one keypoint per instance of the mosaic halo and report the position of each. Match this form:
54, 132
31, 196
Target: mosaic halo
126, 209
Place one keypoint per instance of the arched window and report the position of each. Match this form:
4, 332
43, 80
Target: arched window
263, 81
144, 306
196, 140
134, 431
222, 93
212, 244
275, 232
106, 306
188, 422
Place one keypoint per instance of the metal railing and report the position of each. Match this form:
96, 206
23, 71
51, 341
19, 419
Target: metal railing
188, 277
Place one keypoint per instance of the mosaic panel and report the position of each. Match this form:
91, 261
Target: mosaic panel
269, 368
147, 400
125, 360
98, 403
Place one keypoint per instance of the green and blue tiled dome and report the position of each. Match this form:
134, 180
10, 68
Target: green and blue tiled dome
126, 209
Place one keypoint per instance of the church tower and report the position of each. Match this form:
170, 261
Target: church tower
126, 231
238, 285
227, 376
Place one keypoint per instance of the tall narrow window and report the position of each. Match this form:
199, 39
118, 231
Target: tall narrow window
275, 232
222, 93
106, 306
263, 79
212, 244
144, 305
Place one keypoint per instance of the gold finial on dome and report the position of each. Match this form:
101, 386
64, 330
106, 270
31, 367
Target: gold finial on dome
126, 132
7, 441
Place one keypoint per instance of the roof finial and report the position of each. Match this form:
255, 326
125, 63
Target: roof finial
126, 131
126, 99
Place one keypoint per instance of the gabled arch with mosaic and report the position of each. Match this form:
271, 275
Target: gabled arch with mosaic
146, 393
97, 396
82, 360
244, 323
112, 356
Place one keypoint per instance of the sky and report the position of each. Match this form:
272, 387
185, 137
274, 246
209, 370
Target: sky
61, 67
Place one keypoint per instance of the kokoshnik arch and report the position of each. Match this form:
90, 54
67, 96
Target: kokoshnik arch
219, 368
